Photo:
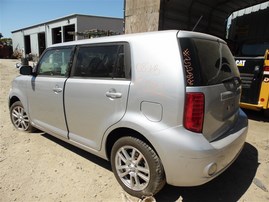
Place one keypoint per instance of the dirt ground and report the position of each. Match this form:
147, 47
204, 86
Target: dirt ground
39, 167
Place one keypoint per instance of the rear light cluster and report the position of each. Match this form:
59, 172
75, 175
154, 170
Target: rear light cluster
194, 112
266, 68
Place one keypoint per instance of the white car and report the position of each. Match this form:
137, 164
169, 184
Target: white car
162, 107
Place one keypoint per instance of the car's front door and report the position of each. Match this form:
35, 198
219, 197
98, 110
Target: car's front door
46, 103
96, 93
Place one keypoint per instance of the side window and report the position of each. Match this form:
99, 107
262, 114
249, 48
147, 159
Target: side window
105, 61
55, 62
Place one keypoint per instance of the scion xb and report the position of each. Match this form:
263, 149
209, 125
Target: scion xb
162, 107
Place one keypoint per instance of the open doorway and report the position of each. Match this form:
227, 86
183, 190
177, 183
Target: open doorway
56, 35
27, 44
69, 33
41, 42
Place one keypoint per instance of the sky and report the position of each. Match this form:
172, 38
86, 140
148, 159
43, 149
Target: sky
17, 14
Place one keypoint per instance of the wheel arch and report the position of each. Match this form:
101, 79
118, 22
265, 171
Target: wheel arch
123, 132
12, 100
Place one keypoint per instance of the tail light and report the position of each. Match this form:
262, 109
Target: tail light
266, 68
194, 112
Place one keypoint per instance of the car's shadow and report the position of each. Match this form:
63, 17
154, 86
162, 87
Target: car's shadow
95, 159
229, 186
256, 115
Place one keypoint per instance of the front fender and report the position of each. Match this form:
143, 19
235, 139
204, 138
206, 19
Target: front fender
18, 91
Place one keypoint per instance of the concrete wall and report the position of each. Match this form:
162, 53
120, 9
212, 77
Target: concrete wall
141, 15
18, 39
34, 44
153, 15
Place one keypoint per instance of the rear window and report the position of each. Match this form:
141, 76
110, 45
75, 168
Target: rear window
207, 62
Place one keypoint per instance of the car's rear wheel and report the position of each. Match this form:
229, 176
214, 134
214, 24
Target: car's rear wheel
19, 117
137, 167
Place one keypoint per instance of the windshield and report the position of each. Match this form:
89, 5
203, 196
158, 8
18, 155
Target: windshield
255, 49
207, 62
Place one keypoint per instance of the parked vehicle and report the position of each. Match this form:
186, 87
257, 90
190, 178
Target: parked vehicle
253, 64
161, 106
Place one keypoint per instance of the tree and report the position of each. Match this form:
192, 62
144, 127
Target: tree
6, 41
1, 35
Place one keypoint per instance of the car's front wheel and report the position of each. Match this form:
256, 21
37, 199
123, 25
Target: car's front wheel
137, 167
19, 117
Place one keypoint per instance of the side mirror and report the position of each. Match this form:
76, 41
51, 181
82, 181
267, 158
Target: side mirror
18, 65
26, 70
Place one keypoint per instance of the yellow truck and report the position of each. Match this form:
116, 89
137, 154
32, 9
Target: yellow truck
253, 65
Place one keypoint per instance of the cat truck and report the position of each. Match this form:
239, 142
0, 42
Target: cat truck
254, 72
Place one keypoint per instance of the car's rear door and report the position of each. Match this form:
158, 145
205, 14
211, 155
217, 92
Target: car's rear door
210, 69
96, 93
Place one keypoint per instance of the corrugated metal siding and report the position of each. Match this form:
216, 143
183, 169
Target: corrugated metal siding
252, 26
214, 14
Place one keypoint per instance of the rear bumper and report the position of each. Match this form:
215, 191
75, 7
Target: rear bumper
251, 106
190, 160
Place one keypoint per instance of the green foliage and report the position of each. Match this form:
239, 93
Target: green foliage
5, 41
95, 33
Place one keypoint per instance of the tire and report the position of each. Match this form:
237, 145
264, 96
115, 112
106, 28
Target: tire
137, 167
266, 113
19, 118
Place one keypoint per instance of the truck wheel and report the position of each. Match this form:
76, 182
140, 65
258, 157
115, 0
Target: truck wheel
266, 113
137, 167
19, 118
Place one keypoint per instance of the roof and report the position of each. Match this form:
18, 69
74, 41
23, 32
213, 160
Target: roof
63, 18
209, 16
154, 35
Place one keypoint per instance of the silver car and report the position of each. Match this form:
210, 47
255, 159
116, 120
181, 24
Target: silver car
162, 107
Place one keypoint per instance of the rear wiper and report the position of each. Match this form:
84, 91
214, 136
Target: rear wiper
220, 64
236, 81
231, 78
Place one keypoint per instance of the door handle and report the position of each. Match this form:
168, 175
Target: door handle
112, 93
57, 89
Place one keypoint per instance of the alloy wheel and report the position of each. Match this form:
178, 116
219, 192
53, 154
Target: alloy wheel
132, 168
20, 118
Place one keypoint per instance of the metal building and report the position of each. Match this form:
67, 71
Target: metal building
250, 24
36, 38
